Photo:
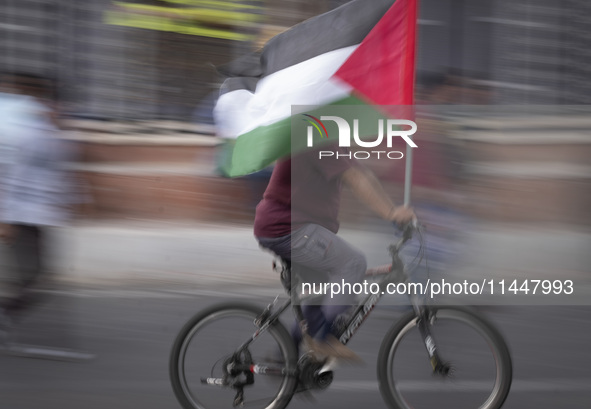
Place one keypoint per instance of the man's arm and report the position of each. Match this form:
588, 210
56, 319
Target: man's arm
370, 191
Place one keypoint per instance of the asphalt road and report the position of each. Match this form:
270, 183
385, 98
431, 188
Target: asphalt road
130, 332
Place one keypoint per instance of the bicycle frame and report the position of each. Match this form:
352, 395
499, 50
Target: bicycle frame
395, 273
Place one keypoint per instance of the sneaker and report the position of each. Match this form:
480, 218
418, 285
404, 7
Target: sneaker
330, 348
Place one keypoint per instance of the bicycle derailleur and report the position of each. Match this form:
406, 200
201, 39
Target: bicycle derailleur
236, 376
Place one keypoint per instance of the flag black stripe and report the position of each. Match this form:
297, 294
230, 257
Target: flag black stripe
339, 28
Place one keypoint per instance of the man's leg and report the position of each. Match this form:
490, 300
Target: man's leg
316, 321
317, 248
314, 248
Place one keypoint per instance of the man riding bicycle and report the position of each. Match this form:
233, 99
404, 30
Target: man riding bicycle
298, 221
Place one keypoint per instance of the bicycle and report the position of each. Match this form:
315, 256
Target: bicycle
247, 368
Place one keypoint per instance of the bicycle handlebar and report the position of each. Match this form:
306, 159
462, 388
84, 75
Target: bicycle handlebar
408, 230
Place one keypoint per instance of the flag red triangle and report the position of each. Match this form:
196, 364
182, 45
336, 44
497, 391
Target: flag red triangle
382, 69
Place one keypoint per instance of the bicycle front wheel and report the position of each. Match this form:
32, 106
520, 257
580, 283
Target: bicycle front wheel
204, 361
479, 363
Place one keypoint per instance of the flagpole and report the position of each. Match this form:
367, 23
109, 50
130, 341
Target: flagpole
411, 19
407, 175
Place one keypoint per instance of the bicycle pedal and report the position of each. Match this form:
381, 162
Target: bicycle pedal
330, 365
238, 399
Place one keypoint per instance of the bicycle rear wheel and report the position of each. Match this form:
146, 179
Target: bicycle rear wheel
206, 348
481, 369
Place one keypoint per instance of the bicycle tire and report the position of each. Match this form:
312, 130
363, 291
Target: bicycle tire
180, 358
456, 335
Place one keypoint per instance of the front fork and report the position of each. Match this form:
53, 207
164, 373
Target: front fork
439, 366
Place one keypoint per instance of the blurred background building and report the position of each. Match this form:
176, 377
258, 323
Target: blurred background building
144, 68
133, 60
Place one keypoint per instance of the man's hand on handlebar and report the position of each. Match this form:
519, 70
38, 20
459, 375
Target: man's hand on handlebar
405, 220
402, 215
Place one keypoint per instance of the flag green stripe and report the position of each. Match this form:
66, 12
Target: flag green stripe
256, 149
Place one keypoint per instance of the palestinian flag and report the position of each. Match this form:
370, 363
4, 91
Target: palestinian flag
360, 53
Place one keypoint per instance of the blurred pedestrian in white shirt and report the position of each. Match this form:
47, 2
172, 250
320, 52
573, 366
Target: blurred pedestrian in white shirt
36, 190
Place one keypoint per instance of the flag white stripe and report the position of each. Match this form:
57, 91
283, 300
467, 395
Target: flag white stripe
306, 83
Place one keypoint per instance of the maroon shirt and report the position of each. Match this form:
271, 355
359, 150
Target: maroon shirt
310, 193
